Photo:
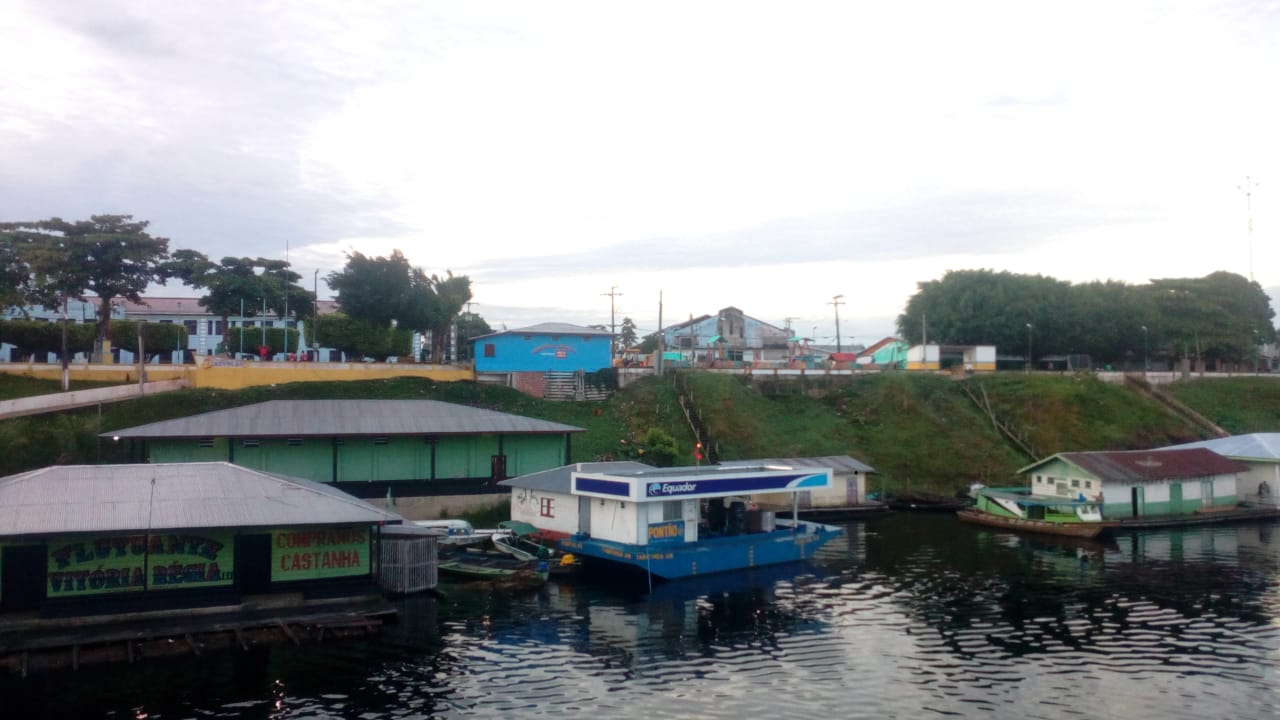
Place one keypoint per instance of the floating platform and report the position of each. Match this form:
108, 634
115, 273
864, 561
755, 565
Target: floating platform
31, 643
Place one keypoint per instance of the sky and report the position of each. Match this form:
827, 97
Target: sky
584, 162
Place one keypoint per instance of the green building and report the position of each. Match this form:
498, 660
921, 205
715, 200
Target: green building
368, 448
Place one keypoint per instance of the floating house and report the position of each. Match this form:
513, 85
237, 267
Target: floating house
847, 494
1259, 453
1138, 484
175, 543
546, 501
368, 448
682, 522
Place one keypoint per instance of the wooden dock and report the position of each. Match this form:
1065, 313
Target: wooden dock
29, 643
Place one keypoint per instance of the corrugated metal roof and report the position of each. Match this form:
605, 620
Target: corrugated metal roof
559, 479
170, 496
1255, 446
344, 418
839, 464
550, 328
1148, 465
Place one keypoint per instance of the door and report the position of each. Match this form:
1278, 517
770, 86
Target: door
23, 572
253, 563
1206, 493
584, 514
1137, 498
1175, 498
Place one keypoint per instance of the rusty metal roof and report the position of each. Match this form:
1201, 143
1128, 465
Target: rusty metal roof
170, 496
1149, 465
344, 418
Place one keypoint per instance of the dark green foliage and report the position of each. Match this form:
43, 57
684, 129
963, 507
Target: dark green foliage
361, 338
1219, 316
39, 337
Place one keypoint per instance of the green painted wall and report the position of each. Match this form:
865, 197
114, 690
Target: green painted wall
534, 453
365, 458
188, 451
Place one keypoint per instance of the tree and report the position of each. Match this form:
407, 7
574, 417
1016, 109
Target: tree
470, 325
627, 334
386, 290
244, 286
111, 256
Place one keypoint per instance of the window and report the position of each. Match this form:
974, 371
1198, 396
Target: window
490, 350
192, 326
380, 441
1075, 482
546, 507
671, 510
1088, 484
251, 442
205, 443
294, 442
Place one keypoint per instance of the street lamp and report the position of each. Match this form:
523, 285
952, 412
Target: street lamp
1029, 328
315, 313
1146, 362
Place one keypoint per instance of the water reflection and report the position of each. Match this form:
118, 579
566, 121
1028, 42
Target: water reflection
904, 616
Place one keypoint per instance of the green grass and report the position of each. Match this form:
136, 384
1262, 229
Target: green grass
1237, 405
919, 432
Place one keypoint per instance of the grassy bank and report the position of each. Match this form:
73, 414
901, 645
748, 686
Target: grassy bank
920, 432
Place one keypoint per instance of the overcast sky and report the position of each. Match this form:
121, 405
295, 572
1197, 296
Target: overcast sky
768, 156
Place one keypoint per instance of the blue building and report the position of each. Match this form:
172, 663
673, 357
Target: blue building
547, 347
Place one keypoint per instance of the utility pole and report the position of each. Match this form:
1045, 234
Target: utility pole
837, 301
315, 313
1248, 187
613, 326
657, 361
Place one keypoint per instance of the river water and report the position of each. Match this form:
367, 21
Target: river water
906, 616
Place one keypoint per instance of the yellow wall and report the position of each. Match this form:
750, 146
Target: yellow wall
236, 375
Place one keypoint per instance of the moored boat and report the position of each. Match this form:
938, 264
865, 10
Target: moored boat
495, 567
1018, 509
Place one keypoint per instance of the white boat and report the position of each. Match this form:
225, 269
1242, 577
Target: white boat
457, 532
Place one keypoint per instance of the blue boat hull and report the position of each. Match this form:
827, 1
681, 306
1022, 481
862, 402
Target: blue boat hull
708, 555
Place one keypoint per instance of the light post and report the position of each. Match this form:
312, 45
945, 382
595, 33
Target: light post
1029, 362
315, 313
1146, 362
242, 328
264, 320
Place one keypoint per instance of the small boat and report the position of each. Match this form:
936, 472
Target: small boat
927, 502
499, 568
456, 532
1018, 509
520, 540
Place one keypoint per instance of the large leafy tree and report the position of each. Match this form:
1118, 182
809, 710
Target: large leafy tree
110, 256
1221, 315
387, 290
245, 285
